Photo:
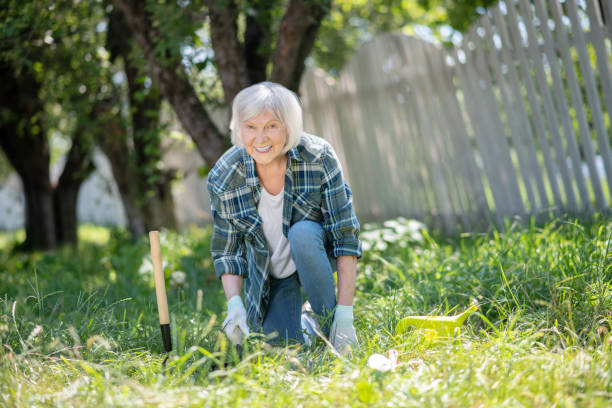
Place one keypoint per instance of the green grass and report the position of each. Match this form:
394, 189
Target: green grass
79, 327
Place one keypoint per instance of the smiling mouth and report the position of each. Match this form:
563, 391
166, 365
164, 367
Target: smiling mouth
263, 149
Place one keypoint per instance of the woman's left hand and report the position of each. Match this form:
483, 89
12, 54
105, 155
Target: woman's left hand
342, 333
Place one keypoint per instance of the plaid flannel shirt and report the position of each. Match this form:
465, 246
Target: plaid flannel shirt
314, 190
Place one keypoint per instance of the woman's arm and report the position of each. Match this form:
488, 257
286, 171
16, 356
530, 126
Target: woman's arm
227, 243
347, 267
232, 285
342, 333
340, 222
339, 219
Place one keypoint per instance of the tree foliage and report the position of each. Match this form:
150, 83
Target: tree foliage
47, 89
57, 69
350, 23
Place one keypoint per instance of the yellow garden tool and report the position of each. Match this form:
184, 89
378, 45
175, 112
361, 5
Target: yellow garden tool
436, 326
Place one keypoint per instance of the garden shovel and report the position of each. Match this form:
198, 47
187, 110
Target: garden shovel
160, 290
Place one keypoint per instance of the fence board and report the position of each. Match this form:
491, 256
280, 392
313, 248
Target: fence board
321, 121
534, 53
453, 130
440, 187
471, 101
443, 145
471, 183
411, 186
577, 102
407, 114
493, 75
420, 167
514, 115
488, 134
493, 136
607, 15
378, 105
420, 147
420, 143
534, 105
603, 63
344, 111
591, 90
402, 118
523, 127
368, 73
394, 109
563, 109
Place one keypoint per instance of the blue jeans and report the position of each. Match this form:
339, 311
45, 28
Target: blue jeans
314, 272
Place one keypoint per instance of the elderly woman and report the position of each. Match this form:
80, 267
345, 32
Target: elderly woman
283, 216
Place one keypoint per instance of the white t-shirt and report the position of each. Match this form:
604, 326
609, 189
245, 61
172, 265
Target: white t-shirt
270, 210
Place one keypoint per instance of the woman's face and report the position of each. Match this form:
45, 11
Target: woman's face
264, 138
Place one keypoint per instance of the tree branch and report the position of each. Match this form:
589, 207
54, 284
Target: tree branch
228, 50
78, 164
296, 36
257, 38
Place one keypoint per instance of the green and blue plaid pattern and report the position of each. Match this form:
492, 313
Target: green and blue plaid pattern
314, 190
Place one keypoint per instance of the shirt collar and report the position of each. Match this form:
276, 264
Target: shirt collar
294, 154
249, 169
251, 178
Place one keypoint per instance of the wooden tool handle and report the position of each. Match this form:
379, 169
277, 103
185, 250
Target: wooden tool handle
160, 283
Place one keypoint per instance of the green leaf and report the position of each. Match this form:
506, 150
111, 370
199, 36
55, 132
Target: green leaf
366, 392
203, 171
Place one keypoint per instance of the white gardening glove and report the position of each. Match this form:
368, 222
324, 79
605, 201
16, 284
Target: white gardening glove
235, 324
342, 333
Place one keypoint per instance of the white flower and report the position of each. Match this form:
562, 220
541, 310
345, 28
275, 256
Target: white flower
146, 267
177, 278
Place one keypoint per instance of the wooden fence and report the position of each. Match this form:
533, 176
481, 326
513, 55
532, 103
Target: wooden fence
514, 121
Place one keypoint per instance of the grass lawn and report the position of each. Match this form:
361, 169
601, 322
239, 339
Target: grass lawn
79, 327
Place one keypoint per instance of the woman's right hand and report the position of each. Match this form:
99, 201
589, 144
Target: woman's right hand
235, 324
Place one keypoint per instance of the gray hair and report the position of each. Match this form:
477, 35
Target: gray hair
282, 103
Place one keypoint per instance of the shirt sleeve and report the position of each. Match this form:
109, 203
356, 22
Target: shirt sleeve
339, 219
227, 244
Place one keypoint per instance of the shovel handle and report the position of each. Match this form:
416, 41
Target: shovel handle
160, 283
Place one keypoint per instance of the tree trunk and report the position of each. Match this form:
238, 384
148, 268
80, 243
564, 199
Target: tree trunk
174, 85
50, 215
152, 184
112, 139
151, 193
77, 168
25, 145
127, 184
159, 208
40, 226
65, 212
30, 158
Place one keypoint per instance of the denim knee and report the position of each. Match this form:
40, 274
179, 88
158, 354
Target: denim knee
304, 234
